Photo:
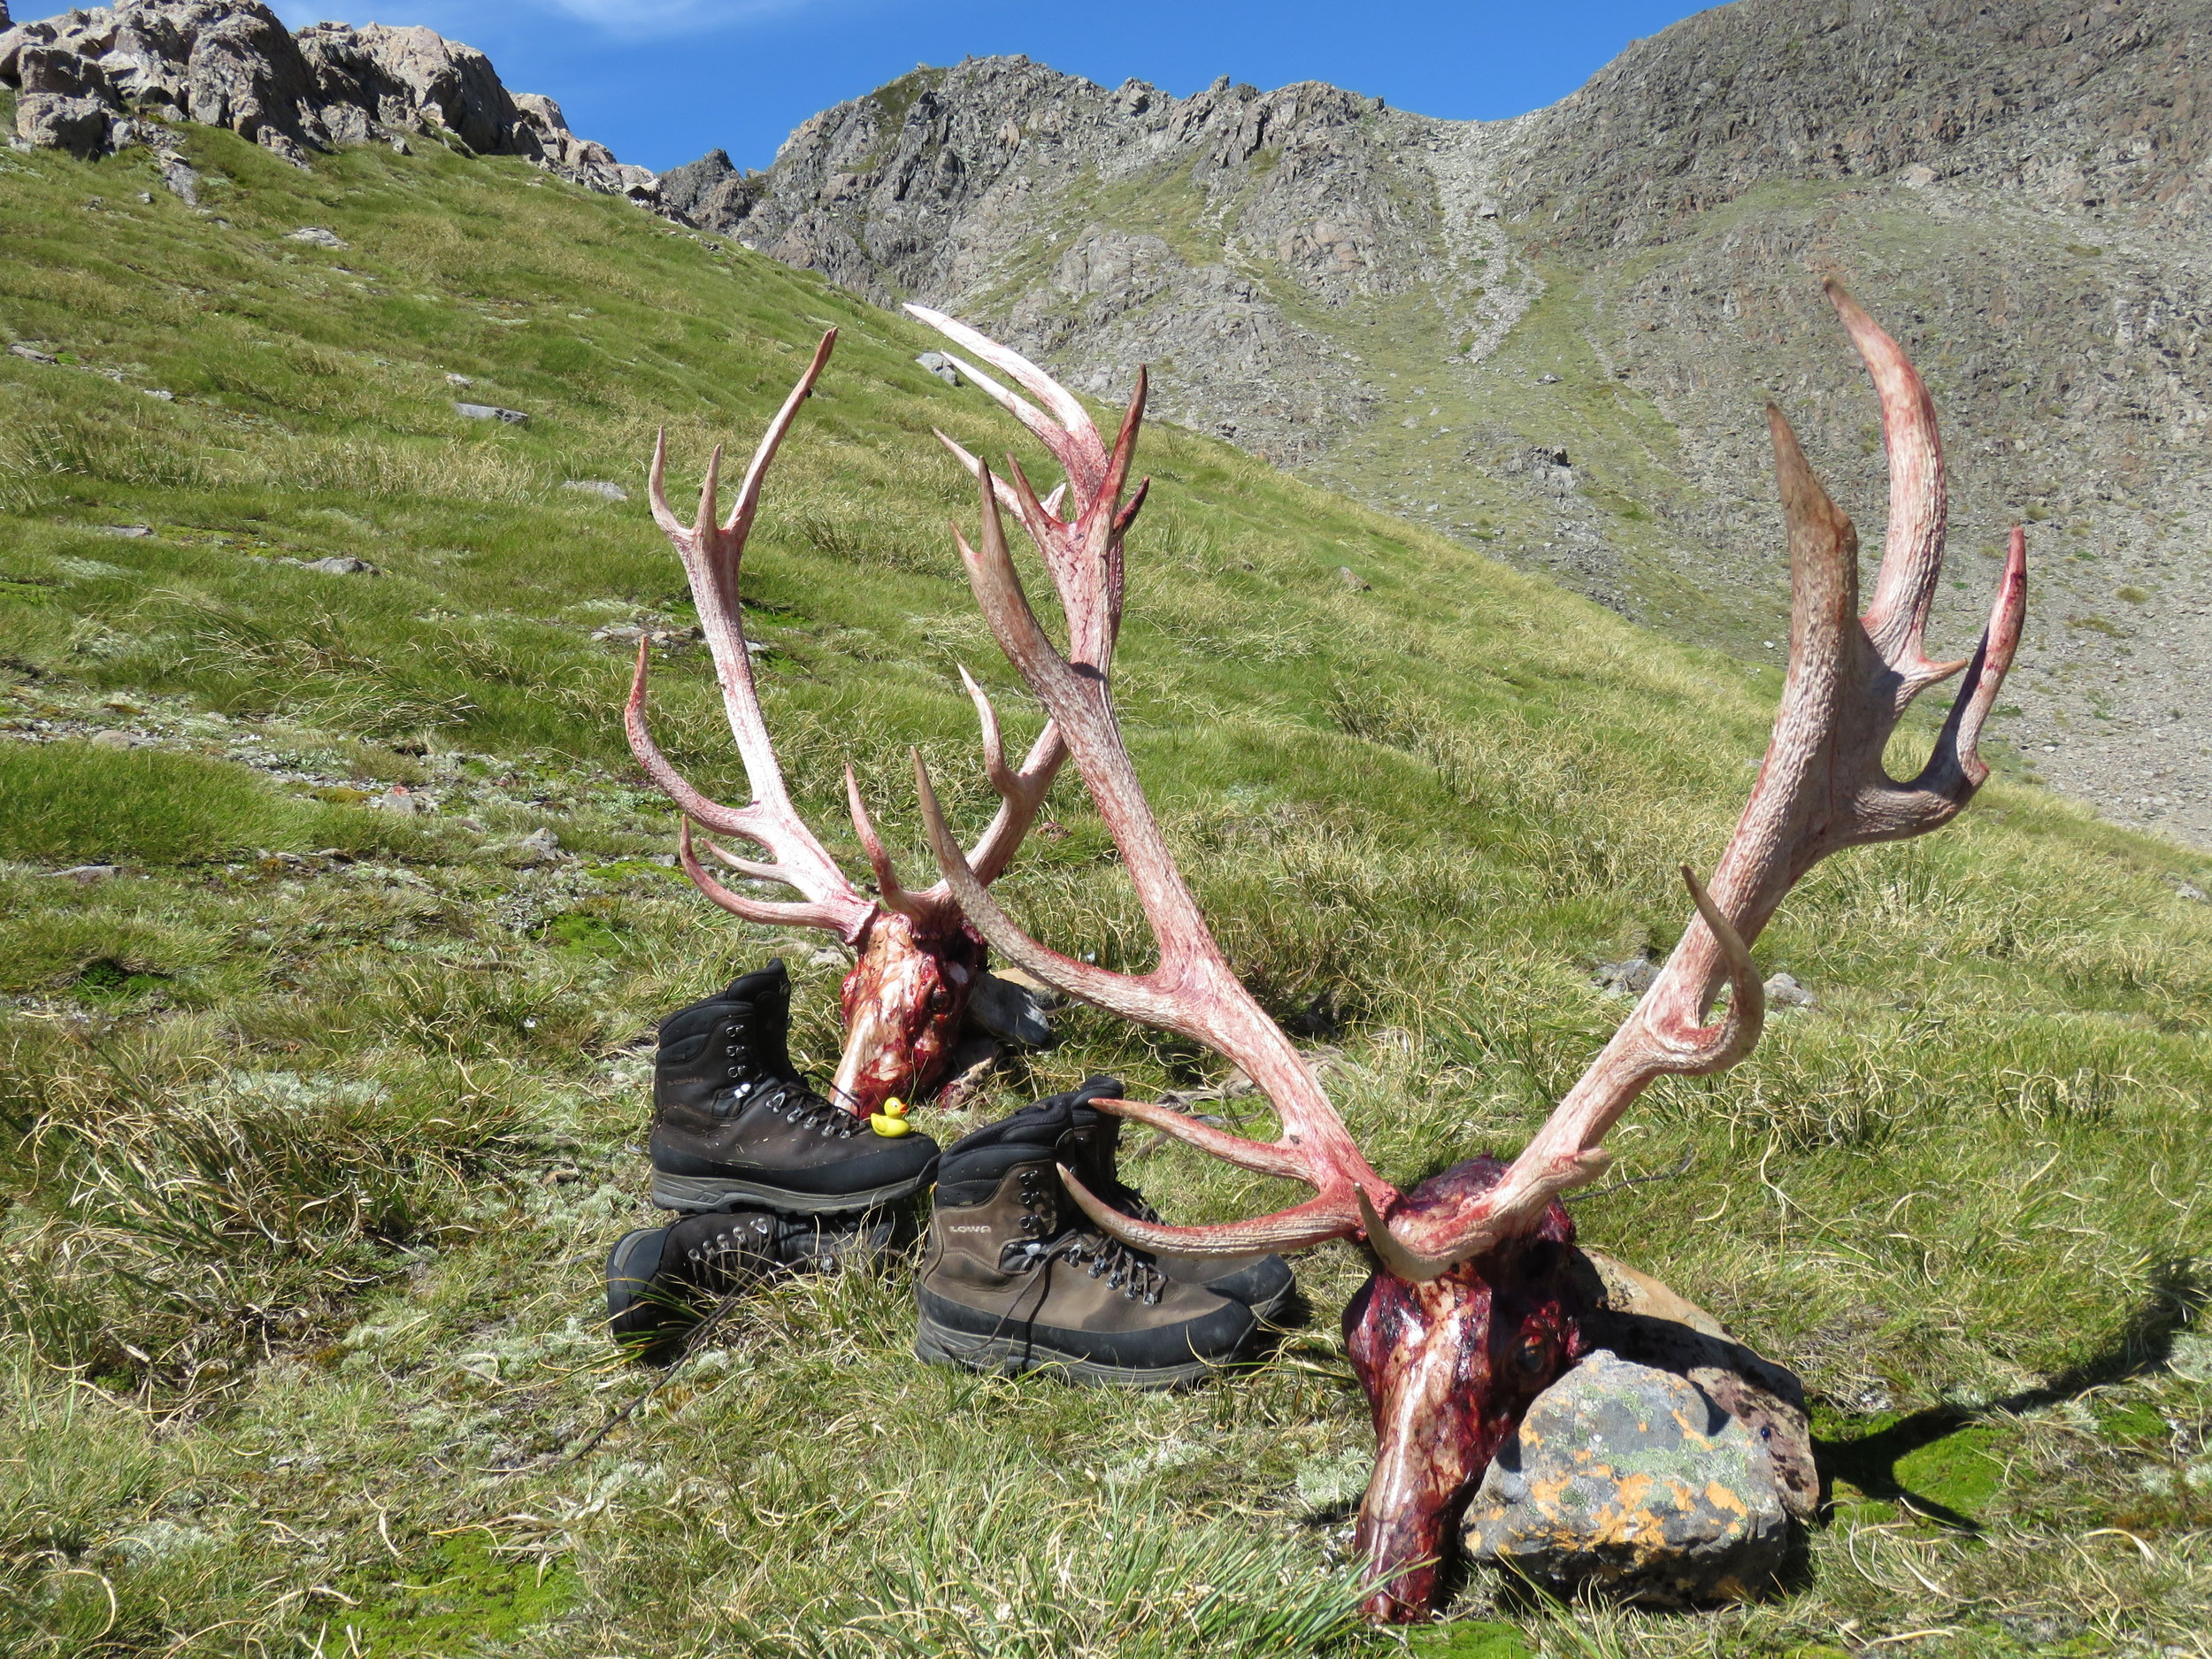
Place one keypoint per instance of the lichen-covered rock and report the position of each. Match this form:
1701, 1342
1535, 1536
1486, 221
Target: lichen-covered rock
1630, 1480
1641, 1319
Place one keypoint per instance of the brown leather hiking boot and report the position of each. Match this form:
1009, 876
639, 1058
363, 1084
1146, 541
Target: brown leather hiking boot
1016, 1278
1265, 1284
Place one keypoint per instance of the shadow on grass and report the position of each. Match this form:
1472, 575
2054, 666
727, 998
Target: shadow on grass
1873, 1462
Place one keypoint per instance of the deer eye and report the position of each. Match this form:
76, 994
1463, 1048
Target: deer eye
1532, 1356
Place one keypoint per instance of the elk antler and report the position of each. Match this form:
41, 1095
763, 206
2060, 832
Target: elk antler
713, 554
1193, 991
905, 995
1822, 788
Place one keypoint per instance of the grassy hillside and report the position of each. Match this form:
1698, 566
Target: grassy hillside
323, 1116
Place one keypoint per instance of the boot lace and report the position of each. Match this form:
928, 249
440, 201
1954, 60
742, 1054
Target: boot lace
791, 1099
1130, 1271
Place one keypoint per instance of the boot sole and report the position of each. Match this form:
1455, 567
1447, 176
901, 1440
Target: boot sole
697, 1193
1010, 1356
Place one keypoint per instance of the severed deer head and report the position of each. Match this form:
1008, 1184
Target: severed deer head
917, 958
1469, 1312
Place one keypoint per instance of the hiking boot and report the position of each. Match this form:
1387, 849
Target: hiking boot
663, 1281
1016, 1279
734, 1125
1265, 1284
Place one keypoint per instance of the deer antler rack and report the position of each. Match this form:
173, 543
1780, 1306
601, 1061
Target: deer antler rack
712, 553
1821, 789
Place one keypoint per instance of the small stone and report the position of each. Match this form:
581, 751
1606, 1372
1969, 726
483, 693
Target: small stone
316, 236
1352, 579
1632, 977
166, 397
85, 875
31, 354
112, 738
1630, 1480
598, 487
458, 379
1783, 991
827, 957
132, 531
940, 365
400, 799
490, 412
1547, 379
1008, 1012
2192, 891
539, 846
341, 565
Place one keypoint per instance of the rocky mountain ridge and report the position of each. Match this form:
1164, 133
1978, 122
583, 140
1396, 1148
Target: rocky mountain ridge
102, 79
1552, 335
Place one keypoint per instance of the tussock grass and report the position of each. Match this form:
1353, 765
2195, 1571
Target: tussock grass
324, 1117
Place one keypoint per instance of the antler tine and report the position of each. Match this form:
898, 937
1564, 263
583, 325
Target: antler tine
748, 502
975, 470
1821, 789
1021, 793
769, 912
1912, 550
890, 891
712, 555
1067, 431
1193, 991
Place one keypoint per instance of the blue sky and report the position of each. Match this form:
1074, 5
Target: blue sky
662, 81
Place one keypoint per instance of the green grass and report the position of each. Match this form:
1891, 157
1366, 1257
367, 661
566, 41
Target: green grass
323, 1116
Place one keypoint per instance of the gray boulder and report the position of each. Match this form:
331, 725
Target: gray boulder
50, 120
1632, 1480
490, 412
1641, 1319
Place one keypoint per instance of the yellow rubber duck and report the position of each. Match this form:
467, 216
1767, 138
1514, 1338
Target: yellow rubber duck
891, 1121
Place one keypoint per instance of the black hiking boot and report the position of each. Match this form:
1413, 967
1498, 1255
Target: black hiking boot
1265, 1284
1016, 1279
734, 1125
663, 1281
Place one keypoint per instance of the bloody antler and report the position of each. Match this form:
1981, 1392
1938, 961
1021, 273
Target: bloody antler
916, 961
1458, 1257
1822, 788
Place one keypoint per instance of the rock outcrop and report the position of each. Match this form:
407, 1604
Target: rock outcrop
1104, 228
94, 81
